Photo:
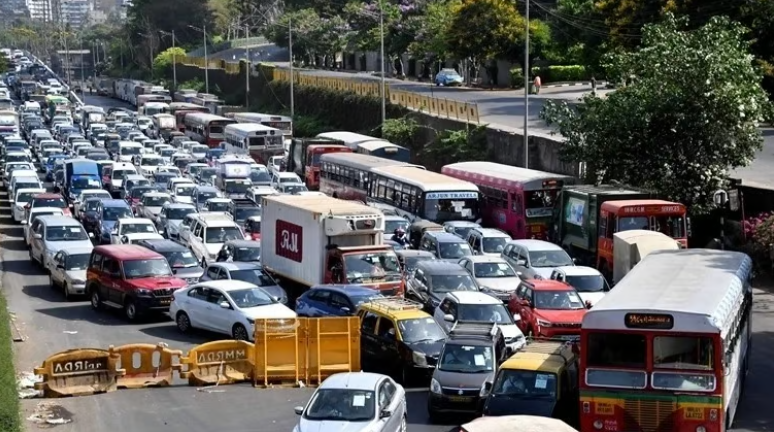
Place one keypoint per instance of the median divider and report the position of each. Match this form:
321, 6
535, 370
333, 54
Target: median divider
287, 352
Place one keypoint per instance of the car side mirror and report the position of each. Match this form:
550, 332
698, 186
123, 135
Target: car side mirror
299, 410
346, 309
91, 235
521, 262
24, 222
385, 414
174, 271
60, 266
575, 260
37, 236
448, 318
516, 317
487, 386
225, 305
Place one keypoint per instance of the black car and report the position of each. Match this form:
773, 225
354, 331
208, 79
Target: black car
180, 258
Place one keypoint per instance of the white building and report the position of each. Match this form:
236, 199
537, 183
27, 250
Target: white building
40, 10
75, 12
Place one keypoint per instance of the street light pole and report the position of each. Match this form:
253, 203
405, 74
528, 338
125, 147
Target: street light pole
206, 63
174, 60
382, 88
526, 88
247, 69
292, 77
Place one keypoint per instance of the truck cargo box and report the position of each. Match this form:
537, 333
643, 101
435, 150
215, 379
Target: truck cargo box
297, 230
630, 247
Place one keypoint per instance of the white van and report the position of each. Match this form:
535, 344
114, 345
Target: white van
127, 150
119, 173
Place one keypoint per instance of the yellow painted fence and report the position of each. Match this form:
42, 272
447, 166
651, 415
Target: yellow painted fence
439, 107
285, 352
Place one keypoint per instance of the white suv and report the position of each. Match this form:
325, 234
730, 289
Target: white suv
473, 306
535, 259
208, 232
487, 241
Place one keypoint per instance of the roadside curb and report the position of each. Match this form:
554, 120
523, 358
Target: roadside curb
600, 84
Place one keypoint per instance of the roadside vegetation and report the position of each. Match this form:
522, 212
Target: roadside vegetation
10, 419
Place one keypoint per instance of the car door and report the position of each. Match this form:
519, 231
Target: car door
386, 337
338, 305
57, 269
193, 240
368, 341
316, 303
35, 242
219, 318
388, 401
447, 307
212, 273
111, 280
196, 304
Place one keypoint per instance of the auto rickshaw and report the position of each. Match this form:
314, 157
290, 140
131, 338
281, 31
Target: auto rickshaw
417, 230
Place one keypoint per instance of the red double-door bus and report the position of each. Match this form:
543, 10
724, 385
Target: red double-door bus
207, 128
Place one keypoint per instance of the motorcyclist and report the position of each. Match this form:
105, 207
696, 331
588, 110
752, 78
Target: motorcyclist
399, 236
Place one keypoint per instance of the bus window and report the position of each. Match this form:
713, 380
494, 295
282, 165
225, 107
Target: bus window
683, 352
617, 350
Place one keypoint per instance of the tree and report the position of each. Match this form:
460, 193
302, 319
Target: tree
690, 115
306, 25
162, 64
431, 42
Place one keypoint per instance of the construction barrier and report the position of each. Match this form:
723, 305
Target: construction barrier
445, 108
286, 352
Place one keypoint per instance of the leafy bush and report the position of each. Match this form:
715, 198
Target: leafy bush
551, 74
400, 131
306, 126
162, 64
194, 84
10, 419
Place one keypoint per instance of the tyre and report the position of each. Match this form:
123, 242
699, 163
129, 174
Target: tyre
96, 300
130, 310
183, 322
404, 424
66, 292
51, 281
239, 332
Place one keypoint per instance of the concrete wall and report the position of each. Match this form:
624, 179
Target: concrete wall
506, 147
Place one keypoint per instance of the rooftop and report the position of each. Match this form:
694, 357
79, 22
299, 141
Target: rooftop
127, 252
535, 245
352, 380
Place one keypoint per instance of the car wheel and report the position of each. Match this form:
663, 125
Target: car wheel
51, 281
66, 290
404, 424
239, 332
183, 322
130, 310
96, 300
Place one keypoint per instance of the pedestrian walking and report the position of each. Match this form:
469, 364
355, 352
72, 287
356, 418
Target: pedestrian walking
537, 83
593, 85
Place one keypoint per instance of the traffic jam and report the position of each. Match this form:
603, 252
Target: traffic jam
500, 290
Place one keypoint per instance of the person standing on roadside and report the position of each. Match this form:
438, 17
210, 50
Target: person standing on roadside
593, 85
537, 83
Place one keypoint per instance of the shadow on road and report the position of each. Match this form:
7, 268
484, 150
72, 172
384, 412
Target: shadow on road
170, 332
22, 267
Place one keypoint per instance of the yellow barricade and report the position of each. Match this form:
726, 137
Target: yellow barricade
473, 113
221, 362
280, 352
145, 365
333, 346
78, 372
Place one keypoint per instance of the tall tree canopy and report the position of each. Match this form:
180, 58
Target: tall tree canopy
690, 115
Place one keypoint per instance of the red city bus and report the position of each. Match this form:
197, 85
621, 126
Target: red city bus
312, 168
206, 128
519, 201
668, 349
346, 175
180, 109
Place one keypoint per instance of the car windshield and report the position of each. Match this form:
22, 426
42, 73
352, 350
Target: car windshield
222, 234
453, 250
289, 179
549, 258
138, 192
489, 313
155, 201
25, 197
523, 383
199, 149
130, 151
204, 196
558, 300
410, 262
121, 174
85, 196
589, 283
85, 183
66, 233
194, 169
206, 173
57, 202
248, 253
250, 298
493, 244
185, 190
217, 206
449, 283
260, 176
466, 358
179, 213
115, 213
183, 162
16, 158
135, 228
180, 259
493, 270
253, 276
391, 225
97, 156
294, 189
151, 161
237, 186
342, 405
243, 213
137, 269
77, 262
420, 330
167, 152
38, 214
363, 267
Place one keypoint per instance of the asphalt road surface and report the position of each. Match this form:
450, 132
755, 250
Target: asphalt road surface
52, 325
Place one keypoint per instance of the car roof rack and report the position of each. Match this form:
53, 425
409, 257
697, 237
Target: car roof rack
475, 330
394, 304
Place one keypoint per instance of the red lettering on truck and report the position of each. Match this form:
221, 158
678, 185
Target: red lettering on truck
289, 241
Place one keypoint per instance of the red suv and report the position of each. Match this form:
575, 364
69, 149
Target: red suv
548, 309
132, 278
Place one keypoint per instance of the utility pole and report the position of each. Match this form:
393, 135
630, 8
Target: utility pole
247, 69
292, 77
83, 73
382, 88
526, 88
206, 62
67, 58
174, 65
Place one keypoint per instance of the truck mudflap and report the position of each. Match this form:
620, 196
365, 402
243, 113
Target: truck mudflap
305, 350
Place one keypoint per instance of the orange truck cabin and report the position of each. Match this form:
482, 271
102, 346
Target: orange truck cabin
667, 350
312, 168
648, 214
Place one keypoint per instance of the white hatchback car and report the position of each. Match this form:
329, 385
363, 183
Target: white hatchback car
225, 306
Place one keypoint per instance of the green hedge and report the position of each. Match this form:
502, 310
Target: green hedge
10, 419
549, 74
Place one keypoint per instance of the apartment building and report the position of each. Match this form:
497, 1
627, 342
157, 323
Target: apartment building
40, 10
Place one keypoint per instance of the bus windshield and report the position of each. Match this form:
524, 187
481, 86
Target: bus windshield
539, 203
443, 207
673, 226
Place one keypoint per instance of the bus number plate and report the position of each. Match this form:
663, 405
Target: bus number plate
604, 409
694, 414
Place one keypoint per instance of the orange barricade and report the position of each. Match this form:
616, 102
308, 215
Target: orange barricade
221, 362
78, 372
146, 365
280, 356
333, 346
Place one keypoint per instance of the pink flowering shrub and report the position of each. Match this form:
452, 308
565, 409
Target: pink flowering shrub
751, 224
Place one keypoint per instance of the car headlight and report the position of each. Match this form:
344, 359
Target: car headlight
143, 292
79, 282
419, 358
435, 386
543, 323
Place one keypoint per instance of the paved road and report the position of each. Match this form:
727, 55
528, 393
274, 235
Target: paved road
52, 325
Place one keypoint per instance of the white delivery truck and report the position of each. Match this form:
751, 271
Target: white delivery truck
630, 247
234, 177
314, 240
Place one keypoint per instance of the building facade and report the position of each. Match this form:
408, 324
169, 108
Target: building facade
74, 13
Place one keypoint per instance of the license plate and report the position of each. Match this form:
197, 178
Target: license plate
694, 414
460, 399
604, 409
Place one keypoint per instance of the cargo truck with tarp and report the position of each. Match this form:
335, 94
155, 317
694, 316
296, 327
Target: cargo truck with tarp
314, 239
588, 215
304, 158
631, 247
